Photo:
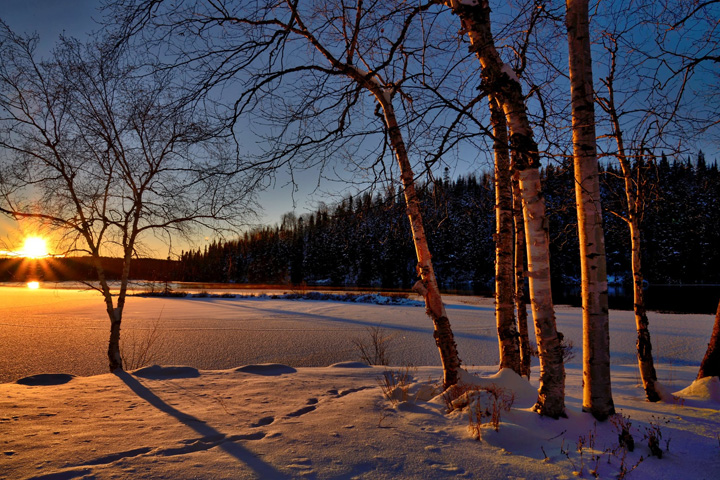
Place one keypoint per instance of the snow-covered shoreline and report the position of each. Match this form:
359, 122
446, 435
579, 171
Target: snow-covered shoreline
66, 331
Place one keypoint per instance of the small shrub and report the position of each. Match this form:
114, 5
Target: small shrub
485, 404
653, 435
373, 349
587, 443
622, 425
624, 468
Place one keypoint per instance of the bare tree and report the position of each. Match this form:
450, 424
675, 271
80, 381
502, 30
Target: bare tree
597, 392
349, 51
109, 153
634, 193
383, 90
649, 101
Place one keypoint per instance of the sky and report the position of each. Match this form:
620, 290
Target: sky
50, 18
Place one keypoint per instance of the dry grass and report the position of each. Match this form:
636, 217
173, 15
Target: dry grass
139, 348
373, 349
484, 405
395, 384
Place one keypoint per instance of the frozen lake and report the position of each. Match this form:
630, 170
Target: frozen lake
64, 330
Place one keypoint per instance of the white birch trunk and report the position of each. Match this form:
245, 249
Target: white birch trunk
520, 306
597, 392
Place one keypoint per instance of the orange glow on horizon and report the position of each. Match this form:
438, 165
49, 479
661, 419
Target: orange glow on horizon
33, 285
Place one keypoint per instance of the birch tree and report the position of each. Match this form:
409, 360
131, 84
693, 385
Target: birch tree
383, 91
499, 80
504, 258
597, 392
106, 154
519, 265
634, 198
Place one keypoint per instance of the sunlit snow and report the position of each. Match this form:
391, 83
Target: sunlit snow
263, 388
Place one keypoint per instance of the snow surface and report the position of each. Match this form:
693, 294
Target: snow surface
272, 419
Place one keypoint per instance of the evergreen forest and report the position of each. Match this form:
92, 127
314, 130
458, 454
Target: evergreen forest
365, 241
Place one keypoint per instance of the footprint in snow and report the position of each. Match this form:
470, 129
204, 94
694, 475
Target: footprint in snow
263, 422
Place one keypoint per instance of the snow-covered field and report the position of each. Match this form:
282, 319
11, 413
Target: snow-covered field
314, 412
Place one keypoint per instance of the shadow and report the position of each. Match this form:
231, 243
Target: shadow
157, 372
360, 323
46, 379
228, 445
66, 475
266, 369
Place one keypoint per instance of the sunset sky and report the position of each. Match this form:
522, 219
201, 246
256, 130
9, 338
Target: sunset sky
51, 18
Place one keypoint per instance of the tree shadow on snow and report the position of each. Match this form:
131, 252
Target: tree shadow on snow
363, 323
211, 436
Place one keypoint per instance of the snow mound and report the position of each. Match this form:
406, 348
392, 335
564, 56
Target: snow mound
268, 369
707, 388
508, 380
350, 365
157, 372
46, 379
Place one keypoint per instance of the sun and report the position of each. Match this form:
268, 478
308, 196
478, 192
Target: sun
35, 247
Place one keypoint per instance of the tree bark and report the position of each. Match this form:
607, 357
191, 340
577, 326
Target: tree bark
114, 357
520, 305
500, 81
427, 286
114, 314
643, 344
597, 392
504, 261
710, 365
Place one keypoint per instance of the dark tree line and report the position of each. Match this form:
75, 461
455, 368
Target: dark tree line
63, 269
365, 240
